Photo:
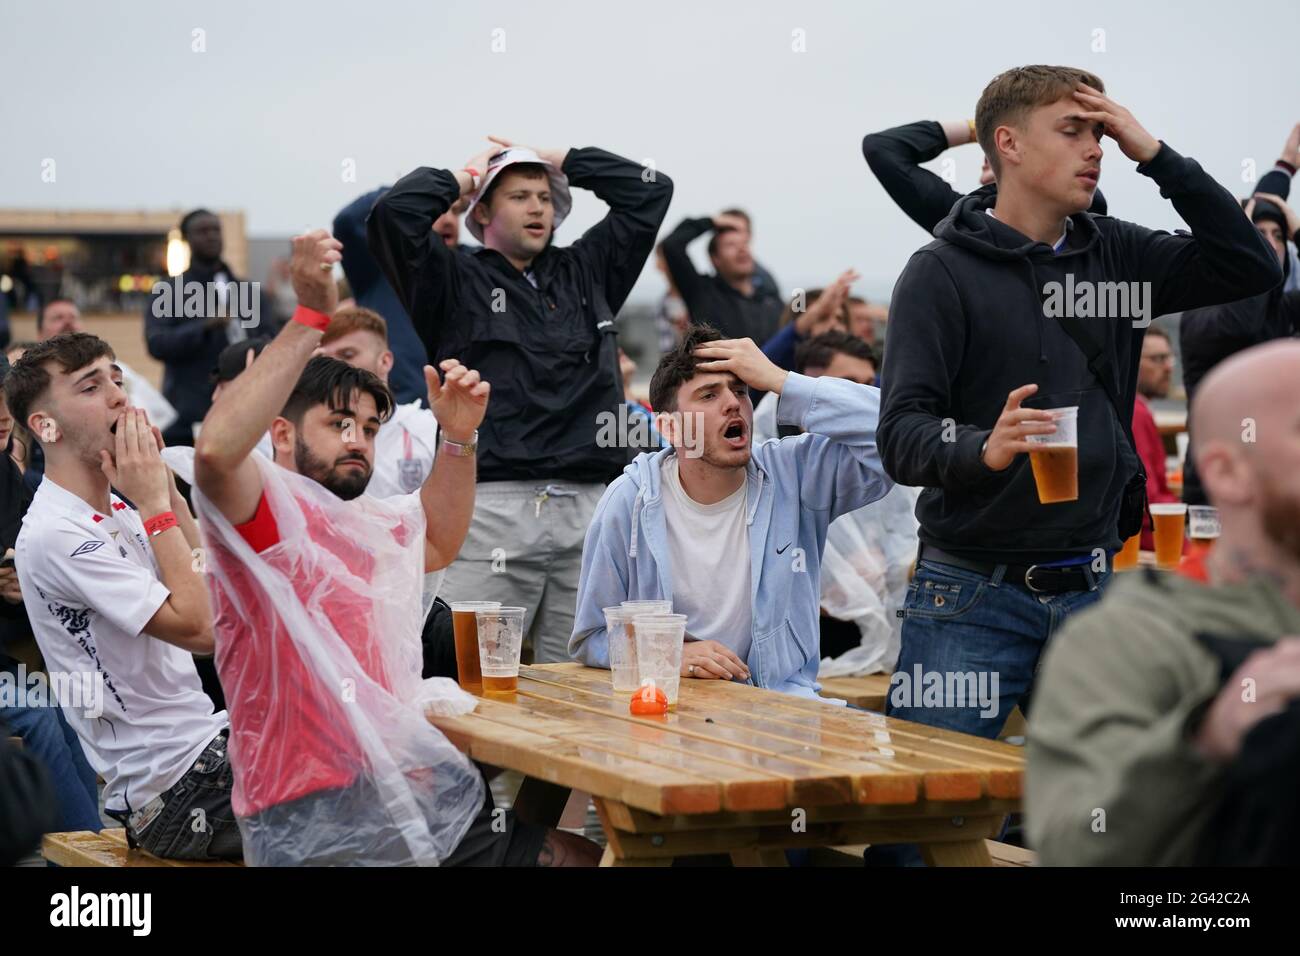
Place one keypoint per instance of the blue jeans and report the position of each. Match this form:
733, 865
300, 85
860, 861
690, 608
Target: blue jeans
982, 637
958, 622
47, 735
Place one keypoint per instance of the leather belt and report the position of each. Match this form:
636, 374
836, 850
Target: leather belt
1035, 577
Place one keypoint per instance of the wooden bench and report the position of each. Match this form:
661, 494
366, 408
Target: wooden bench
869, 692
106, 848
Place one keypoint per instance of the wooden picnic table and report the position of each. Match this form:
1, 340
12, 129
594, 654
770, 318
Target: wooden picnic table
740, 770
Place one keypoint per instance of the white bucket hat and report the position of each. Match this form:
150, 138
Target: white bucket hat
560, 198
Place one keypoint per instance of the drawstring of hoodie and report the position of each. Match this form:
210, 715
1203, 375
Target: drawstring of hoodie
636, 520
1042, 315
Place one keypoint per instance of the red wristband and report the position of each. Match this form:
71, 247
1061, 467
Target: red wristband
311, 318
160, 523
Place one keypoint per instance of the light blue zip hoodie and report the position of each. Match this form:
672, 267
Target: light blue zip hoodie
795, 488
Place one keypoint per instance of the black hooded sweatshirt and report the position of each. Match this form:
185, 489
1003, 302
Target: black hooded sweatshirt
968, 325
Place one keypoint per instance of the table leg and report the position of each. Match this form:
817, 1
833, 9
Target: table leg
957, 853
540, 803
609, 859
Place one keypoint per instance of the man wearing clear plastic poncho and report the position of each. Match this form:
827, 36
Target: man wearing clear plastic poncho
316, 589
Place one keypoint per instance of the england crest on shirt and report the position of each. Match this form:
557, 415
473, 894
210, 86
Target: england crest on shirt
410, 474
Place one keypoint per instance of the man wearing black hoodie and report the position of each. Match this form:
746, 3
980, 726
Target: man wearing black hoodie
974, 334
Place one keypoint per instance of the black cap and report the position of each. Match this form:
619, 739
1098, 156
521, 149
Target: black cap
234, 358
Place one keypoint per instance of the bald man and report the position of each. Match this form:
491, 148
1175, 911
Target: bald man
1144, 700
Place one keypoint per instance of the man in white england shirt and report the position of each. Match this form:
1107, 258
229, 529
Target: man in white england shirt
115, 595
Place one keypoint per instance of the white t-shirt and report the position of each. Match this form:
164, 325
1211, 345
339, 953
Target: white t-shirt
90, 585
708, 547
404, 450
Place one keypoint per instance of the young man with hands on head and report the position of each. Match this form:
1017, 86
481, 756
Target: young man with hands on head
114, 597
973, 337
732, 534
537, 320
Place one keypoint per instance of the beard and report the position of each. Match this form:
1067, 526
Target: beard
723, 456
1280, 515
346, 485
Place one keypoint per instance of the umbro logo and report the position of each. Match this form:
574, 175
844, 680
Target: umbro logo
86, 547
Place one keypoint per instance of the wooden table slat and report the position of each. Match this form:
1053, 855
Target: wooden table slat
840, 738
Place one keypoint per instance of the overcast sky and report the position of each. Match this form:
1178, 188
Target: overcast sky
713, 92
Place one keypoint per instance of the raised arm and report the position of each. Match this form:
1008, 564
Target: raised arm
223, 470
839, 466
136, 469
895, 157
616, 248
447, 496
400, 236
1223, 260
680, 267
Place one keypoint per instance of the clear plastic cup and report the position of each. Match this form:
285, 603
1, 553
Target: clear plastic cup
1202, 523
500, 639
659, 640
1168, 519
625, 682
622, 651
1055, 458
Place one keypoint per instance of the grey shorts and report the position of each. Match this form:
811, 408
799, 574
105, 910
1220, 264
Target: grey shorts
524, 549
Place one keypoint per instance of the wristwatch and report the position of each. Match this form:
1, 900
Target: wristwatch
458, 449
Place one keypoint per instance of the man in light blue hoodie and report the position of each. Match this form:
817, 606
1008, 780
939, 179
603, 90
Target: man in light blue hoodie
732, 535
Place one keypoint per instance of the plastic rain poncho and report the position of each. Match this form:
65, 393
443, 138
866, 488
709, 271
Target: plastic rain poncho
319, 654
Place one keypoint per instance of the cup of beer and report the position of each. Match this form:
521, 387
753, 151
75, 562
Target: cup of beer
659, 639
1168, 518
500, 639
1055, 457
1202, 527
465, 627
1127, 558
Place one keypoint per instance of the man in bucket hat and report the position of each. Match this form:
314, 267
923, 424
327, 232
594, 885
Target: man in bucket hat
537, 320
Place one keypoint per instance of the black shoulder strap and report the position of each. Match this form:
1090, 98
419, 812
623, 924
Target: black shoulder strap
1106, 374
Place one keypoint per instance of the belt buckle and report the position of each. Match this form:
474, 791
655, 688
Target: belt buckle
1030, 584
